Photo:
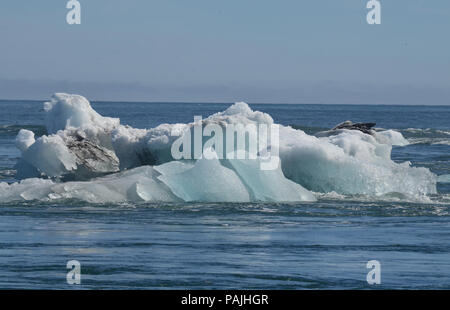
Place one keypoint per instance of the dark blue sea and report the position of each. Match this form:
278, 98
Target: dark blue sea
320, 245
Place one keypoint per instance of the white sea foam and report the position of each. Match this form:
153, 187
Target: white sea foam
427, 136
347, 163
431, 141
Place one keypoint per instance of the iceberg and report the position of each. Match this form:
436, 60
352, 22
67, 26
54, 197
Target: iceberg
206, 181
268, 185
66, 111
94, 158
350, 163
136, 185
78, 146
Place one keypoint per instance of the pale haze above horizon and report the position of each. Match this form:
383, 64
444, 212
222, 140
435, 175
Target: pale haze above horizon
225, 51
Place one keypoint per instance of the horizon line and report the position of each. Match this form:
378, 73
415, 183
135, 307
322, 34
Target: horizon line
232, 102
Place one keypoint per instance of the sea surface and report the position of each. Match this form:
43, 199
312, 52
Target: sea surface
321, 245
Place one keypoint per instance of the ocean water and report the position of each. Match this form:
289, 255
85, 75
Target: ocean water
320, 245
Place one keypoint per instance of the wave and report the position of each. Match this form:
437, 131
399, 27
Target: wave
427, 132
429, 141
444, 178
310, 130
13, 130
97, 159
427, 136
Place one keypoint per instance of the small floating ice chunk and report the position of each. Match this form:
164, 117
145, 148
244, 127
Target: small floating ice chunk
444, 178
24, 139
391, 137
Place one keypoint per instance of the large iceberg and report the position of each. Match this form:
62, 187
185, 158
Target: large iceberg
95, 158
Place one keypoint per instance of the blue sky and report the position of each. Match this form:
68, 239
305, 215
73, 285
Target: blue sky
310, 51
